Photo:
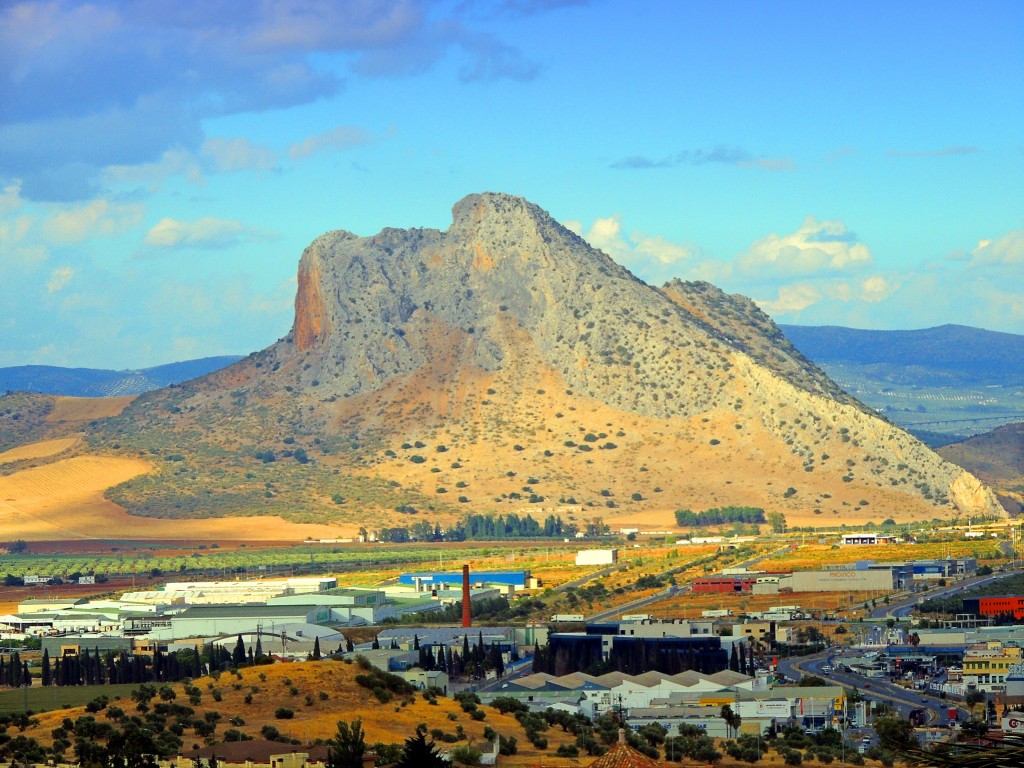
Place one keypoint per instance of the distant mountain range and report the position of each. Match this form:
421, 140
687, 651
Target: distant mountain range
97, 382
941, 384
949, 355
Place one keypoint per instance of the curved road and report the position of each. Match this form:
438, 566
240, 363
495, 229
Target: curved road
903, 607
875, 689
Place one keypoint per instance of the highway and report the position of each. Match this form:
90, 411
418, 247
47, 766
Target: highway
903, 700
904, 606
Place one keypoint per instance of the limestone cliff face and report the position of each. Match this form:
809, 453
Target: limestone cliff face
969, 495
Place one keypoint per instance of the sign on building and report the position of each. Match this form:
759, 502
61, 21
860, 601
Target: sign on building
86, 579
1013, 722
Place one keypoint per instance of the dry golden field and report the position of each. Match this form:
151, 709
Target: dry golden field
64, 500
71, 409
41, 450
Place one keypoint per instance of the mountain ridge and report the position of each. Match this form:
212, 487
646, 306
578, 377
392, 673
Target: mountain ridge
506, 365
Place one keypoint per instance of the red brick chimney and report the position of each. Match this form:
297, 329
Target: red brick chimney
467, 620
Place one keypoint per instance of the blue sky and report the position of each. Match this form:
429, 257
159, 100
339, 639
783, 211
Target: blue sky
162, 165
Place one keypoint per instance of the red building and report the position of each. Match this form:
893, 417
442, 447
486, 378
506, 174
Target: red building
723, 584
994, 607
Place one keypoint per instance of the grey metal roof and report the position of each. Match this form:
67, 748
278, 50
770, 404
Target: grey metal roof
244, 611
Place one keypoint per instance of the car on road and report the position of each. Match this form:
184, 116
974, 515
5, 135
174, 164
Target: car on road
826, 668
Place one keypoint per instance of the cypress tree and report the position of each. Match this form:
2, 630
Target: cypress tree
238, 655
316, 649
47, 674
86, 663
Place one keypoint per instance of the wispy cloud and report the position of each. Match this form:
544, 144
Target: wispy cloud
340, 138
59, 278
722, 155
204, 233
237, 154
944, 152
98, 218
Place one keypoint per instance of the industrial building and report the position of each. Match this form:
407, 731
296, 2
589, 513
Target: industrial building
1003, 607
723, 584
868, 538
865, 576
450, 579
597, 557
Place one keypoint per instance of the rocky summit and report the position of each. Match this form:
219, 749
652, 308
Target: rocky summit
506, 365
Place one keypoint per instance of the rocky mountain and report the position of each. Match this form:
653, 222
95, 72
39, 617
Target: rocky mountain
100, 382
504, 364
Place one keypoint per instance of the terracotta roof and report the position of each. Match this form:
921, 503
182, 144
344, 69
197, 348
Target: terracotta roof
624, 756
256, 750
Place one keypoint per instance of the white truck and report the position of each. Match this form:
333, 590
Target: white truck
564, 617
718, 613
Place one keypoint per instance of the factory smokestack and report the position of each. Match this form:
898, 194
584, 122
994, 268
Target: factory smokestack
467, 620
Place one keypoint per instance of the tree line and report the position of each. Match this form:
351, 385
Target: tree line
719, 516
481, 528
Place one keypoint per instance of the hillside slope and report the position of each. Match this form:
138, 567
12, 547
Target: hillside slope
504, 364
997, 457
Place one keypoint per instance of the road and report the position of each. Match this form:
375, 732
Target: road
903, 607
671, 591
874, 689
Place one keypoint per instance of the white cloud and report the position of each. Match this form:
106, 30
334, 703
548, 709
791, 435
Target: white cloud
98, 218
239, 154
172, 162
337, 139
638, 249
207, 232
796, 297
1007, 250
815, 248
10, 197
59, 278
877, 288
791, 299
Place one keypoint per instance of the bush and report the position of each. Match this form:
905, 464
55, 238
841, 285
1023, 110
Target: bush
567, 750
467, 755
283, 713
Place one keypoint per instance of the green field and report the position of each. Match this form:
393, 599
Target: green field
251, 563
39, 699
